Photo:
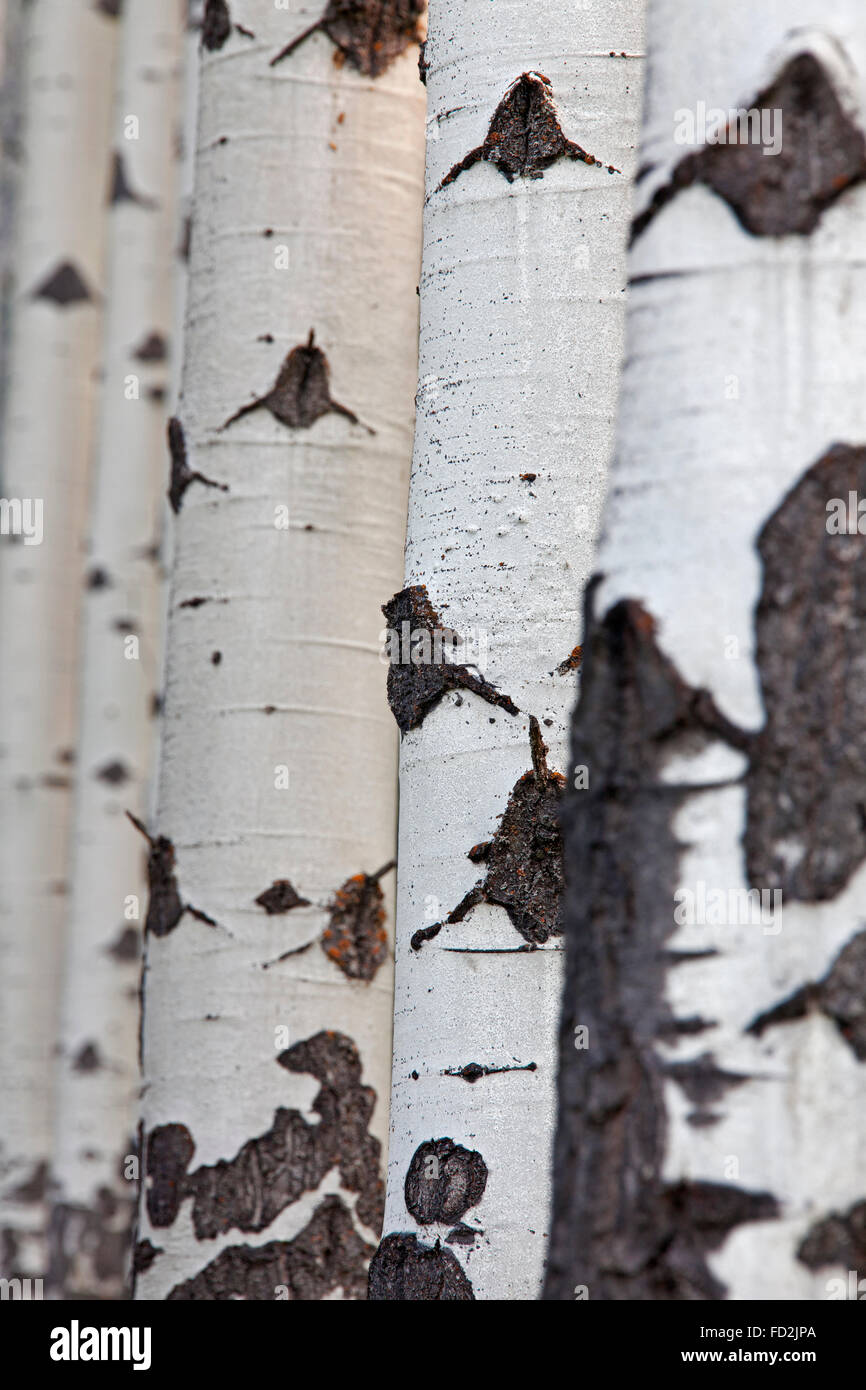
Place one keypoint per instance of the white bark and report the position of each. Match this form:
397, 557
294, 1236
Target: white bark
48, 439
122, 638
321, 163
742, 371
522, 297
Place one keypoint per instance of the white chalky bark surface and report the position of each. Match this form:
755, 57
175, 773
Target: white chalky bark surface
522, 303
97, 1110
326, 165
48, 440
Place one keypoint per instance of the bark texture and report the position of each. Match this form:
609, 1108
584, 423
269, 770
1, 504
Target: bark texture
276, 733
522, 294
47, 446
711, 1041
97, 1106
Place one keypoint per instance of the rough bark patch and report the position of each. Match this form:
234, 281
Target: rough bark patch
618, 1227
165, 906
216, 25
571, 662
271, 1171
841, 995
414, 687
168, 1151
114, 773
87, 1058
355, 938
524, 859
181, 474
143, 1256
806, 825
369, 33
404, 1270
120, 188
327, 1255
152, 348
90, 1247
840, 1239
822, 154
64, 286
301, 394
443, 1181
280, 897
473, 1071
525, 136
462, 1235
33, 1189
703, 1082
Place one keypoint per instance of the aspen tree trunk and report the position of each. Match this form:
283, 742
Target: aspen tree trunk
267, 991
98, 1077
47, 447
522, 296
13, 27
712, 1092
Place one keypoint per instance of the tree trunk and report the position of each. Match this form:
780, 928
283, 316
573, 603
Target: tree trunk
712, 1087
13, 27
522, 297
47, 446
267, 984
98, 1078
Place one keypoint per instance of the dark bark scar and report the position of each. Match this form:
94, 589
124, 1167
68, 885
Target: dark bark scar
271, 1171
443, 1181
822, 154
524, 859
301, 394
355, 937
181, 474
326, 1256
806, 822
840, 995
618, 1226
404, 1270
839, 1239
165, 906
370, 34
216, 25
120, 188
525, 136
64, 286
281, 897
416, 686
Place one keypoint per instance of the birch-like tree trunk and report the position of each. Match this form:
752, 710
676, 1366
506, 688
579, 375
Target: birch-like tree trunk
98, 1078
47, 446
13, 28
522, 296
713, 1094
267, 990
